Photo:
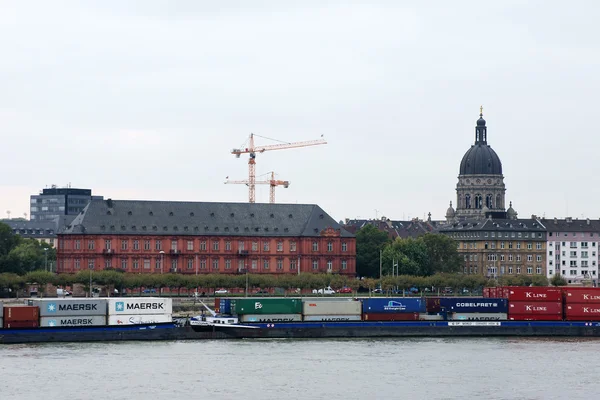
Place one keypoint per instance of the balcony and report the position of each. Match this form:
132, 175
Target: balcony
243, 253
174, 251
108, 252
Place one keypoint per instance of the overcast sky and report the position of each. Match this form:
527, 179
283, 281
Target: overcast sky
146, 99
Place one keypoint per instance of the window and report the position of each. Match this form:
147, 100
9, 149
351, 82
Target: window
510, 270
344, 264
501, 245
518, 245
529, 270
107, 263
158, 264
241, 245
241, 266
573, 263
293, 264
493, 245
265, 246
538, 258
466, 257
265, 264
529, 246
329, 247
190, 245
502, 257
292, 246
510, 245
90, 245
279, 246
254, 264
279, 264
538, 246
529, 257
147, 245
572, 272
228, 246
573, 245
344, 246
190, 263
584, 254
329, 265
550, 253
518, 257
315, 246
174, 265
136, 244
78, 245
475, 257
215, 264
107, 244
254, 246
158, 244
203, 245
215, 246
174, 245
227, 264
573, 254
520, 234
203, 264
146, 263
123, 263
315, 264
136, 263
584, 264
518, 270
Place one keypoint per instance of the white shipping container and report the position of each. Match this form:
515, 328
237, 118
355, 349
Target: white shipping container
332, 318
70, 306
1, 321
271, 318
95, 320
139, 306
478, 316
1, 309
430, 317
138, 319
319, 307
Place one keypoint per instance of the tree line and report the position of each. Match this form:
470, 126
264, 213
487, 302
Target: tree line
20, 256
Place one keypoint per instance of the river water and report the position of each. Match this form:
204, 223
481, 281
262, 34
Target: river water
266, 369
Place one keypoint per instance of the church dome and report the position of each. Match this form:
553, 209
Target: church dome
450, 212
480, 159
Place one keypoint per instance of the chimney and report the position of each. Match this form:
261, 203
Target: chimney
569, 219
587, 221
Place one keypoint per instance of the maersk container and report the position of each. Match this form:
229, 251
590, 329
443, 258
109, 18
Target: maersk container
318, 307
75, 306
478, 317
535, 307
268, 306
391, 317
271, 318
430, 317
474, 305
527, 293
332, 318
393, 305
139, 319
89, 320
139, 306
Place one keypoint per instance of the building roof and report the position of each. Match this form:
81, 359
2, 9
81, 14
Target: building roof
32, 229
571, 225
508, 225
480, 159
403, 229
135, 217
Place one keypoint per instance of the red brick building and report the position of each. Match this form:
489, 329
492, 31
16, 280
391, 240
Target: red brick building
200, 238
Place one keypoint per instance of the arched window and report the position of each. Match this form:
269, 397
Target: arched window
478, 201
489, 201
499, 201
468, 201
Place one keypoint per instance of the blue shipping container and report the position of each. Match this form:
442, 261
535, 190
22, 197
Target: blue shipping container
225, 306
393, 305
474, 305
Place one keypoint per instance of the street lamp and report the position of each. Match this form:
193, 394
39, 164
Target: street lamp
162, 259
46, 259
91, 268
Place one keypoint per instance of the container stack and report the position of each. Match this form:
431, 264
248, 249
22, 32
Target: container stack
267, 310
332, 311
582, 304
475, 309
20, 317
393, 309
133, 311
433, 310
496, 292
223, 306
535, 304
71, 312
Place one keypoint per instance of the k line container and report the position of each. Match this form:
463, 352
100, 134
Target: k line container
332, 318
138, 319
60, 307
577, 318
582, 296
21, 313
478, 317
393, 305
90, 320
474, 305
139, 306
391, 317
582, 310
317, 307
432, 305
534, 317
20, 324
271, 318
534, 294
535, 307
268, 306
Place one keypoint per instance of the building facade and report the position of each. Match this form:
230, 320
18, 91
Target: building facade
573, 249
55, 203
395, 229
494, 248
200, 238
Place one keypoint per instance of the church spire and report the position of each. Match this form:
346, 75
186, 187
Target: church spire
481, 129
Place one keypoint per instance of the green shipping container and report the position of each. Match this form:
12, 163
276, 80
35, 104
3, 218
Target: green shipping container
268, 306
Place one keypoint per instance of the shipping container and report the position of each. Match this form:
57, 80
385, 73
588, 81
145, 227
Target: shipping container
20, 324
492, 292
486, 292
225, 306
528, 293
60, 307
138, 319
582, 310
582, 295
505, 293
534, 317
535, 307
332, 318
478, 317
430, 317
1, 321
474, 305
393, 305
578, 318
1, 309
139, 306
21, 313
317, 307
432, 305
391, 317
268, 306
90, 320
271, 318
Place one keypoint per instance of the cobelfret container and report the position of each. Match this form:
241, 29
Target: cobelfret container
430, 317
268, 306
432, 305
139, 319
535, 307
393, 305
317, 307
478, 316
528, 293
60, 307
582, 295
474, 305
391, 317
20, 313
534, 317
582, 310
139, 306
57, 321
271, 318
332, 318
21, 324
